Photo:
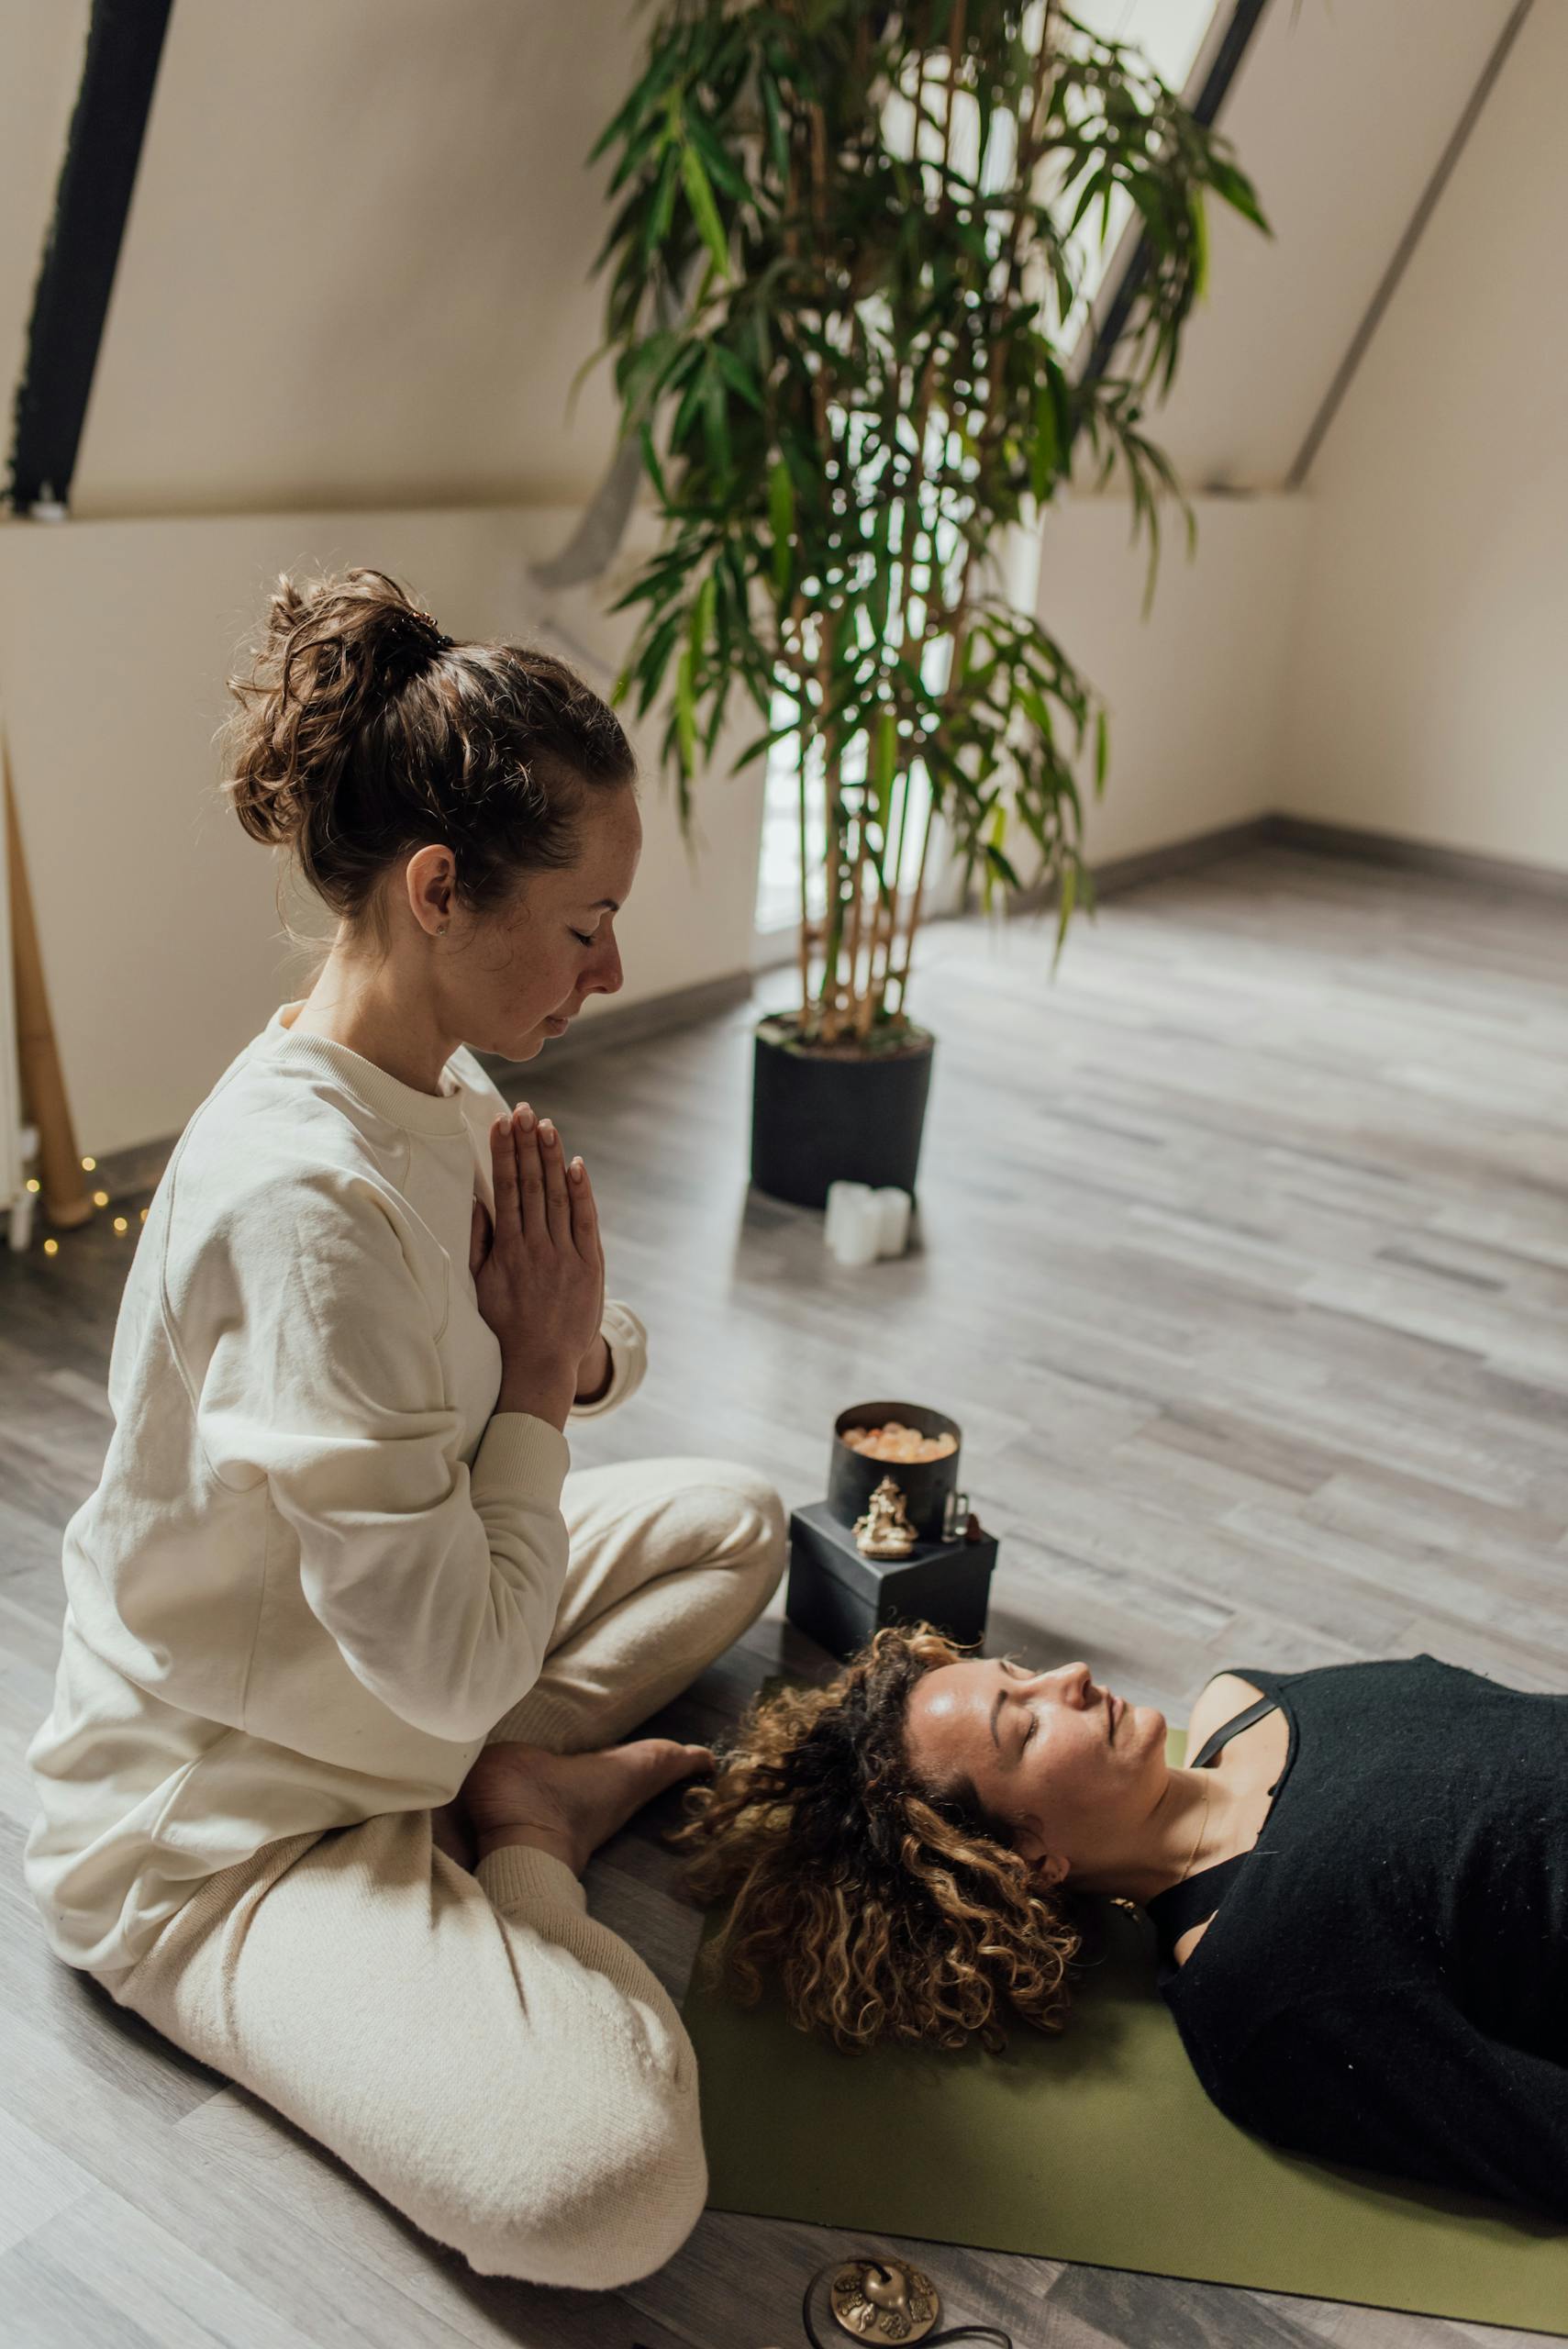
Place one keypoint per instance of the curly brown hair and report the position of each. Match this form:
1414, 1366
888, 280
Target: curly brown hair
363, 732
888, 1908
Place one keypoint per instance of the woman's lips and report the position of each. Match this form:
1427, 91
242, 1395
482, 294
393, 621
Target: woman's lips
1118, 1707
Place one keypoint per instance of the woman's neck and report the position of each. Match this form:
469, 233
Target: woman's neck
351, 1011
1199, 1819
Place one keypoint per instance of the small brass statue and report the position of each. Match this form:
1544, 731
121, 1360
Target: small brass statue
884, 1532
885, 2301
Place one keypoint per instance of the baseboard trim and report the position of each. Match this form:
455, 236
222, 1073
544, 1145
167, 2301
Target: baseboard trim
1311, 839
629, 1023
1415, 856
1152, 863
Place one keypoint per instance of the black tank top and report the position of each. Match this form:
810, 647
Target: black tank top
1180, 1905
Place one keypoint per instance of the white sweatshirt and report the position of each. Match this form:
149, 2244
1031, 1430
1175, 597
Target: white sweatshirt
316, 1571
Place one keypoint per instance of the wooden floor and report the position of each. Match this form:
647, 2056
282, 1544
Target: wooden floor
1242, 1260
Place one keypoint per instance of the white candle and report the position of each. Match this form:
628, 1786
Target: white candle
839, 1195
855, 1233
893, 1221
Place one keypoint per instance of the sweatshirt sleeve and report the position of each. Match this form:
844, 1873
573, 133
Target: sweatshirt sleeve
627, 1341
1401, 2081
439, 1582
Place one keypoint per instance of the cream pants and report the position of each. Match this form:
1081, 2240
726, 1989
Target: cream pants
508, 2073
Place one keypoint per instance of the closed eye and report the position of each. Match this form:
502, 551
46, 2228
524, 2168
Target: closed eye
581, 940
1020, 1671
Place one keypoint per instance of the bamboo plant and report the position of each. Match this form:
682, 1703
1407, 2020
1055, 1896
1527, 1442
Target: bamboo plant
846, 266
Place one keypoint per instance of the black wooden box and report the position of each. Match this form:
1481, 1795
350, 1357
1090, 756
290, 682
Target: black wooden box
840, 1598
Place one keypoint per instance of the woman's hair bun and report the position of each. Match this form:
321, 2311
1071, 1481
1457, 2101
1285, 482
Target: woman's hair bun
333, 649
363, 731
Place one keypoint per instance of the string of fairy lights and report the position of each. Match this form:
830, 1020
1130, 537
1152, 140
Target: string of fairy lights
100, 1199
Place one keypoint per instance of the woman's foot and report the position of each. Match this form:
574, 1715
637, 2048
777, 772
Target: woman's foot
570, 1803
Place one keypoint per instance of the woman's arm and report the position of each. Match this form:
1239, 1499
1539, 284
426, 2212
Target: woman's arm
313, 1367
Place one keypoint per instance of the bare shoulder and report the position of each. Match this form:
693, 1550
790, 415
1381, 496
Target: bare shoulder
1183, 1946
1226, 1696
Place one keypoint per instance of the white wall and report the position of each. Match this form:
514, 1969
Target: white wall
157, 915
1426, 692
1191, 693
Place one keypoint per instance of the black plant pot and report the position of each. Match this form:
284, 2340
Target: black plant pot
817, 1117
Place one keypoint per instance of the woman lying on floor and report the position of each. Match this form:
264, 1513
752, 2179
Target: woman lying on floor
1359, 1884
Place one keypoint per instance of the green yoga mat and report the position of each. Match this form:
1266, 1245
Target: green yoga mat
1097, 2145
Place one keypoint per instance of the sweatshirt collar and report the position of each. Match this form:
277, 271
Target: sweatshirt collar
375, 1088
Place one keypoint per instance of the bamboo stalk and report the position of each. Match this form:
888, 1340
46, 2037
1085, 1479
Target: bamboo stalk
807, 925
832, 748
856, 902
1023, 173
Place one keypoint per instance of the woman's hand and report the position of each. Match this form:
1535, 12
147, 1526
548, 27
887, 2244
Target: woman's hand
539, 1270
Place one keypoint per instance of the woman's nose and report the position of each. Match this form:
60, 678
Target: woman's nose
1073, 1680
607, 977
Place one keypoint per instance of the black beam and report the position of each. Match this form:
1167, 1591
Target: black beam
1205, 109
71, 301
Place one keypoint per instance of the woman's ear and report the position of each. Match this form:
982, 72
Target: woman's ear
1046, 1866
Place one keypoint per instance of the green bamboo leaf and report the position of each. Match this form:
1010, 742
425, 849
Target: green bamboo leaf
1100, 753
666, 62
655, 658
586, 368
1069, 891
716, 419
781, 517
662, 210
720, 167
884, 765
691, 400
702, 620
1003, 865
737, 374
1045, 451
778, 138
699, 195
651, 459
1237, 189
1200, 247
685, 713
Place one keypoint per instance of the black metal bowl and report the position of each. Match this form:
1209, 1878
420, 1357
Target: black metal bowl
927, 1485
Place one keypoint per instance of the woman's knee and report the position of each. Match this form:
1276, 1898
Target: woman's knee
757, 1522
610, 2191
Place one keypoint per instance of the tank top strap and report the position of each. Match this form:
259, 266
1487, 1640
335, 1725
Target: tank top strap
1180, 1905
1227, 1730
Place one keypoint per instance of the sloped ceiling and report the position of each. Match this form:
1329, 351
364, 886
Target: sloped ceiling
42, 44
1340, 113
355, 272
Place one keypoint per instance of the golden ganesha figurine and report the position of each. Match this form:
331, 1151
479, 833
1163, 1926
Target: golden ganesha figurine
884, 1532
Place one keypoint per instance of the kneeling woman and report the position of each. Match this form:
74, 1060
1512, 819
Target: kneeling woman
1358, 1883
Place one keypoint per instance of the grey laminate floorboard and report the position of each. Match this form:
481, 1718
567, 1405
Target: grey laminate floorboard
1242, 1257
